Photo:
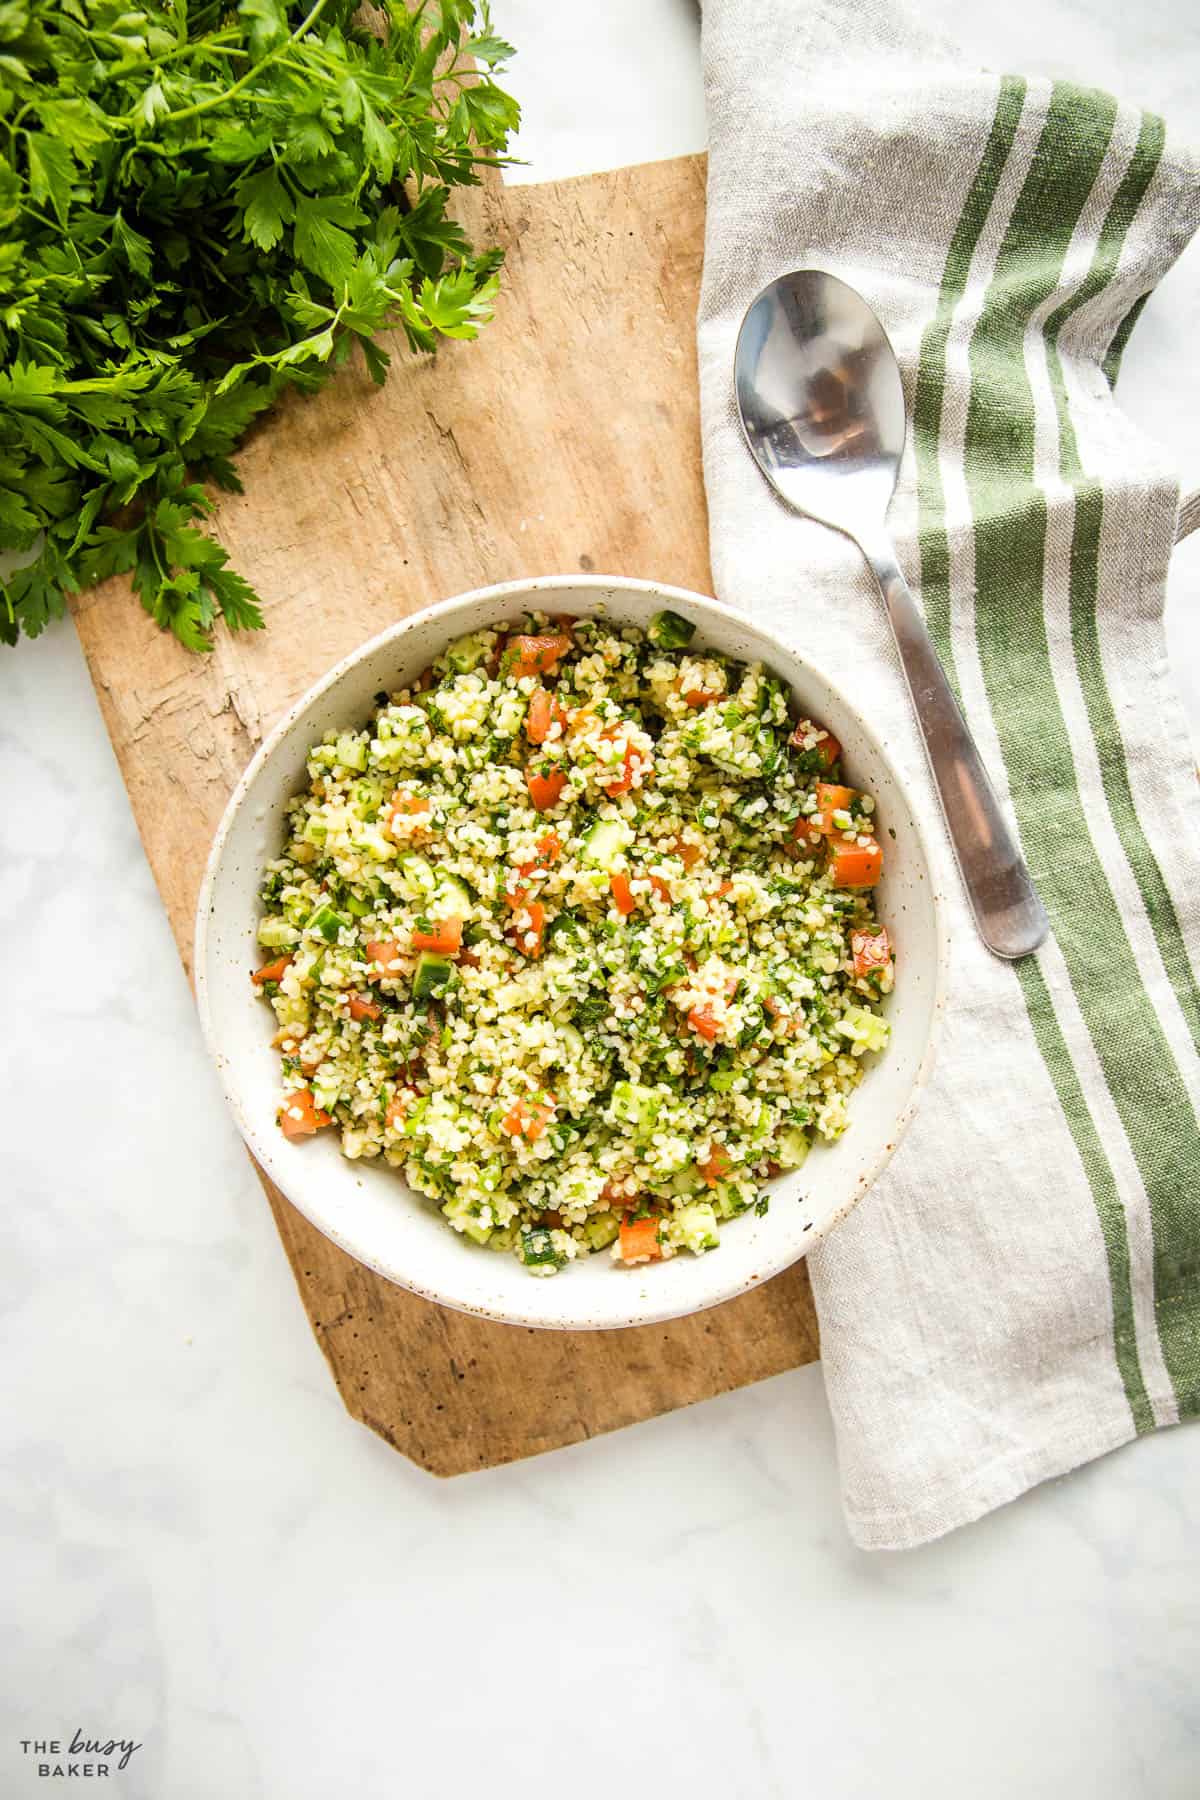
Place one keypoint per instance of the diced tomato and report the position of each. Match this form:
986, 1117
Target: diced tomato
872, 953
639, 1241
384, 951
824, 753
700, 1019
529, 921
616, 1197
444, 938
408, 815
716, 1168
536, 655
660, 887
403, 801
537, 719
622, 894
620, 779
549, 848
298, 1116
830, 799
544, 711
723, 888
544, 790
854, 865
361, 1008
541, 1115
698, 697
688, 854
272, 971
398, 1105
528, 1118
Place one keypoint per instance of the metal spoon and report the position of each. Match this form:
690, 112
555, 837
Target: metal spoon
819, 394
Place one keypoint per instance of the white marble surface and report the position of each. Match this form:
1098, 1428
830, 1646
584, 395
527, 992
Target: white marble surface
202, 1552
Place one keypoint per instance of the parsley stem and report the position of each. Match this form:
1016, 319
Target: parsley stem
190, 112
152, 540
197, 47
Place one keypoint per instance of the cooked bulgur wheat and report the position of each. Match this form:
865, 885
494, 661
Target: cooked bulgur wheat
578, 933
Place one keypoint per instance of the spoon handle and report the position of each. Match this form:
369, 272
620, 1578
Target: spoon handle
1011, 918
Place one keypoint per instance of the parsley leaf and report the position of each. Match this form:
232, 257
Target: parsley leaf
201, 205
266, 207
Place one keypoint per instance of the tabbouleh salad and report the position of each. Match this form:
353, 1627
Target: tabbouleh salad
578, 933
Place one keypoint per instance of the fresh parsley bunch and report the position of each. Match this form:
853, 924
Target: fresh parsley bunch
201, 204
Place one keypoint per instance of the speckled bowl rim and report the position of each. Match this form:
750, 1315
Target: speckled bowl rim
266, 1152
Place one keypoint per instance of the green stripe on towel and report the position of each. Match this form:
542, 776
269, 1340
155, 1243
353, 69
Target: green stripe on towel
1143, 1081
1116, 350
1085, 586
935, 583
931, 370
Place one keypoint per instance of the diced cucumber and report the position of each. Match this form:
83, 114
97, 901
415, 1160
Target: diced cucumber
537, 1248
370, 840
356, 906
367, 796
770, 752
451, 897
432, 974
326, 1088
460, 1210
328, 922
315, 829
402, 738
572, 1042
697, 1225
633, 1104
731, 1198
687, 1181
604, 841
307, 961
865, 1028
669, 631
419, 877
436, 891
351, 751
600, 1230
466, 653
793, 1147
276, 934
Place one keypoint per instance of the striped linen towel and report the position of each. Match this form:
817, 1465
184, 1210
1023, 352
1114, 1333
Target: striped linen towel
1021, 1291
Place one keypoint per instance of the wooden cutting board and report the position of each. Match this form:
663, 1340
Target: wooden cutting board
566, 438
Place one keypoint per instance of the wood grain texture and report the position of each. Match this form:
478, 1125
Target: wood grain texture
566, 439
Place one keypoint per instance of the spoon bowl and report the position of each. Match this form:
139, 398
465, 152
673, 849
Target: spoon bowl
822, 409
820, 398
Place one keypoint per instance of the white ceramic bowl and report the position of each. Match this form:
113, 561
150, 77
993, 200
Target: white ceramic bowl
366, 1207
